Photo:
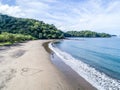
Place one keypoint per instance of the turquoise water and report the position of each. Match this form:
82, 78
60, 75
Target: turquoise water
101, 55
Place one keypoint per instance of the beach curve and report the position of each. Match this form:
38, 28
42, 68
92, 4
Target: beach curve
31, 69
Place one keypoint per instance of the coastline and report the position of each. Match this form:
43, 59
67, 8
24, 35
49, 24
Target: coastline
27, 66
89, 65
78, 82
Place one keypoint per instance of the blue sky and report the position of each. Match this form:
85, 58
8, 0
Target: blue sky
95, 15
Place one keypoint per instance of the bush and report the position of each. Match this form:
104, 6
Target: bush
8, 37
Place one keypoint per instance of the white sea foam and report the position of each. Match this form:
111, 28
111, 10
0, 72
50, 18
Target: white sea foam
96, 78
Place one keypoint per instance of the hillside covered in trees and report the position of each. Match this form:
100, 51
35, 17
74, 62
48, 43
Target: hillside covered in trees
39, 29
35, 28
85, 33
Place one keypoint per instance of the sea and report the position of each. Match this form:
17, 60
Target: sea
97, 60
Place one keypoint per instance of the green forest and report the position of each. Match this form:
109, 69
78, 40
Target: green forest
35, 28
86, 33
9, 38
14, 29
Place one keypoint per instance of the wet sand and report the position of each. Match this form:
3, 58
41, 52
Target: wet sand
74, 79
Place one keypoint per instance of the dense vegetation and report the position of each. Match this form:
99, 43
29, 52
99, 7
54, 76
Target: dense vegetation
35, 28
9, 38
86, 33
20, 29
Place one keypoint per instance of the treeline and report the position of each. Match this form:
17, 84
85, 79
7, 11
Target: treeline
85, 33
35, 28
9, 38
39, 29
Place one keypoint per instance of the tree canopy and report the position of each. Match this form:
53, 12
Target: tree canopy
85, 33
9, 38
39, 29
35, 28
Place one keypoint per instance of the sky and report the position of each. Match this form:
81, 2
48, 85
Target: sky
95, 15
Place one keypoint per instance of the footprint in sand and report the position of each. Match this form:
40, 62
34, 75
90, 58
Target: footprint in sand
30, 71
5, 76
18, 53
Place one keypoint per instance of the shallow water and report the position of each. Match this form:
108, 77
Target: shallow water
95, 59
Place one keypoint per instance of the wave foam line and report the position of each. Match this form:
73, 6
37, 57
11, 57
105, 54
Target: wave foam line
96, 78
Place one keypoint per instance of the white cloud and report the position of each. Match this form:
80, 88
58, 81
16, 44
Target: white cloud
98, 15
11, 10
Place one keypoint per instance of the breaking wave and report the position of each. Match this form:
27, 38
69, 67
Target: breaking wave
98, 79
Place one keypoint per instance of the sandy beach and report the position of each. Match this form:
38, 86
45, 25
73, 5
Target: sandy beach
27, 66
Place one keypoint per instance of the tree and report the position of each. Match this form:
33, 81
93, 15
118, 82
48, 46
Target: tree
40, 35
86, 33
35, 28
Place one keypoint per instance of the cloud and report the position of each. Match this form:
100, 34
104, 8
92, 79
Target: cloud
97, 15
11, 10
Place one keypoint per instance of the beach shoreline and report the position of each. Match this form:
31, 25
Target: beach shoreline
73, 77
27, 66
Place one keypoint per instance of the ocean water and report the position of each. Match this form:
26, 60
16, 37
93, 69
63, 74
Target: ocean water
95, 59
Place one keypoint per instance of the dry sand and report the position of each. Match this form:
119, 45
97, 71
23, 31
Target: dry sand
27, 66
